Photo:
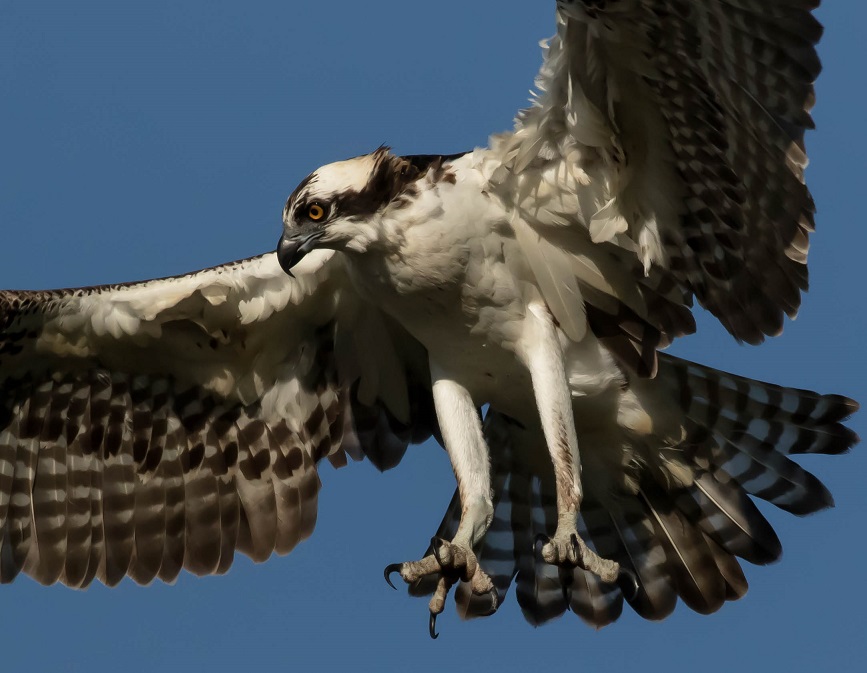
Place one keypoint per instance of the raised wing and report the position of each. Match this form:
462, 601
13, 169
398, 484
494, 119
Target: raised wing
673, 130
156, 426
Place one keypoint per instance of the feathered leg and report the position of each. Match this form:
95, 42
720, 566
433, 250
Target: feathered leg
543, 354
452, 561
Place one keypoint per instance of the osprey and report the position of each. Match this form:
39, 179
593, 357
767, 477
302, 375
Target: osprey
155, 426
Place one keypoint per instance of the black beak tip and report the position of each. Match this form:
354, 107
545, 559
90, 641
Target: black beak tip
293, 249
287, 254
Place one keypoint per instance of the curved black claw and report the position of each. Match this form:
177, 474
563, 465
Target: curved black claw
540, 540
495, 603
389, 570
576, 548
628, 583
432, 626
566, 580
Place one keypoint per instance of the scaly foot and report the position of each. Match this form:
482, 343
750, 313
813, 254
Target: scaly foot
568, 550
452, 562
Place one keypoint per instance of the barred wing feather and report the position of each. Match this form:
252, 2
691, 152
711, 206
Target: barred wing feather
674, 130
159, 426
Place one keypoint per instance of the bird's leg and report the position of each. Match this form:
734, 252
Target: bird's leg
455, 560
543, 354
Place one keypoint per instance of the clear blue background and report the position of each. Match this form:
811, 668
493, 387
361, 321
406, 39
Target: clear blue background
140, 139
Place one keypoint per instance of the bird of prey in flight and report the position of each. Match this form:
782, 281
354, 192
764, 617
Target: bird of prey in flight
156, 426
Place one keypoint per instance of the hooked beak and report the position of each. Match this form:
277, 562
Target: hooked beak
292, 248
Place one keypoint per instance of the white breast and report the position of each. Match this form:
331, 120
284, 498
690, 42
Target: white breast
452, 273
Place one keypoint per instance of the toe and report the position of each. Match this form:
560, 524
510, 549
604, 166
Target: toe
441, 551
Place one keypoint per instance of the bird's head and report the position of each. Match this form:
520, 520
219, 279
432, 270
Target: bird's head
338, 206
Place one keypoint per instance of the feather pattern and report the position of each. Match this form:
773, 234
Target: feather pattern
160, 426
597, 603
674, 129
556, 280
150, 428
690, 562
681, 528
643, 552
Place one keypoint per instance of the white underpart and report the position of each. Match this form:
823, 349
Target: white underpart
461, 429
451, 268
543, 354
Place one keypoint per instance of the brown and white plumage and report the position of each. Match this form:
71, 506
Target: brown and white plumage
164, 425
673, 132
160, 426
688, 519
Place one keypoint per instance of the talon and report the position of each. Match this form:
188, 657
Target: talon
495, 601
576, 550
540, 539
628, 583
389, 570
435, 544
566, 579
432, 626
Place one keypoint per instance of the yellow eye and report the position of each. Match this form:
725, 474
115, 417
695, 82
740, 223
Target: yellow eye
315, 212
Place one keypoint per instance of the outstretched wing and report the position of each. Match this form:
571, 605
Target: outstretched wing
162, 425
671, 132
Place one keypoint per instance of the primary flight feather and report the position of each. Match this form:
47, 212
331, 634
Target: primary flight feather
150, 427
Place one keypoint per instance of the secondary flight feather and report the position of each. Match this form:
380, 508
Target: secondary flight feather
155, 426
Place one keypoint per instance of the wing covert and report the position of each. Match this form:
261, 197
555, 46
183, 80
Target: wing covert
162, 425
674, 130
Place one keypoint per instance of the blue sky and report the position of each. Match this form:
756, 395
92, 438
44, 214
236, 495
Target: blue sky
140, 139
